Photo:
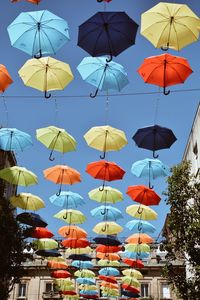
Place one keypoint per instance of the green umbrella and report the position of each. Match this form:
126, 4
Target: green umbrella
108, 263
85, 273
137, 248
132, 273
71, 216
18, 176
106, 195
45, 244
130, 281
27, 201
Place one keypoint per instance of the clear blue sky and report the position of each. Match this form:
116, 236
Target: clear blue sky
77, 115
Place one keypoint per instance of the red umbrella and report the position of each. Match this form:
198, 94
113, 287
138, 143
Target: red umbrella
107, 171
75, 243
104, 0
70, 293
40, 232
60, 274
110, 279
143, 195
89, 296
133, 263
108, 249
31, 1
130, 288
109, 256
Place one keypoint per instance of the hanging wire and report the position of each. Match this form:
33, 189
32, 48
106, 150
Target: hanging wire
5, 109
104, 6
157, 106
56, 119
106, 108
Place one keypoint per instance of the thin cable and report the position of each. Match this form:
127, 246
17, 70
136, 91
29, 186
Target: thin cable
106, 109
157, 106
56, 112
5, 108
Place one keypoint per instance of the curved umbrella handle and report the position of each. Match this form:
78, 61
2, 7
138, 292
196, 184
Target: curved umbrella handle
140, 210
139, 227
103, 156
59, 192
95, 94
165, 92
101, 189
104, 229
46, 95
151, 186
50, 156
155, 155
39, 55
65, 217
165, 48
110, 58
106, 254
103, 212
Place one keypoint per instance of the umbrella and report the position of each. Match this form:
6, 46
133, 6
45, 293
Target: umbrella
86, 287
56, 139
38, 32
137, 247
87, 296
82, 257
45, 244
88, 292
75, 243
46, 74
5, 79
110, 279
109, 285
67, 199
170, 25
108, 171
62, 174
82, 264
131, 288
48, 253
107, 33
165, 70
27, 201
130, 281
108, 249
141, 226
12, 139
31, 219
56, 264
105, 76
31, 1
142, 212
108, 240
69, 293
133, 263
77, 251
135, 255
132, 273
107, 195
86, 280
130, 294
18, 176
71, 216
108, 263
143, 195
106, 213
85, 273
109, 271
38, 232
58, 259
72, 232
109, 256
107, 228
150, 168
63, 283
139, 238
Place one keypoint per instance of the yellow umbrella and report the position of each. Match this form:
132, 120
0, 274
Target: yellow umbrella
86, 250
106, 195
63, 284
107, 228
46, 74
56, 138
57, 259
45, 244
18, 176
142, 212
87, 287
85, 273
27, 201
108, 263
137, 248
170, 25
132, 273
105, 138
71, 216
130, 281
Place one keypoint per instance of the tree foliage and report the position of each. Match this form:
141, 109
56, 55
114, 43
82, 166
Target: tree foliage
182, 233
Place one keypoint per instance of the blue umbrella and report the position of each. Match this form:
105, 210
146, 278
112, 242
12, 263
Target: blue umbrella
67, 200
135, 255
12, 139
82, 264
31, 219
154, 138
130, 294
105, 76
38, 33
140, 226
88, 292
109, 271
106, 213
89, 281
107, 33
150, 168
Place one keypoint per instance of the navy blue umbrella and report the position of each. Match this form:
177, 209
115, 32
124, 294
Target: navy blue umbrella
154, 138
82, 257
31, 219
48, 253
107, 33
130, 294
107, 240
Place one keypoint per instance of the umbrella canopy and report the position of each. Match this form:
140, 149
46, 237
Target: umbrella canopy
108, 263
62, 174
110, 279
67, 199
38, 32
82, 264
107, 228
105, 76
142, 212
45, 244
46, 74
83, 250
63, 284
139, 238
133, 263
107, 33
72, 232
82, 257
75, 243
5, 79
88, 292
150, 168
137, 247
27, 201
48, 253
107, 195
130, 281
31, 219
135, 255
71, 216
87, 287
109, 256
143, 195
106, 213
56, 139
130, 288
31, 1
109, 285
12, 139
18, 176
108, 249
164, 70
130, 294
132, 273
86, 281
38, 232
170, 25
85, 273
53, 264
108, 240
109, 271
140, 226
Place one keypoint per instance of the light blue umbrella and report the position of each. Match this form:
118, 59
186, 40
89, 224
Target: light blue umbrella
135, 255
89, 281
106, 76
67, 200
82, 264
38, 33
109, 272
12, 139
106, 213
88, 292
140, 226
150, 168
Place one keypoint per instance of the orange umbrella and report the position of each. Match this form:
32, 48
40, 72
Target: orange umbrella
133, 263
31, 1
72, 231
60, 274
5, 79
52, 264
108, 171
75, 243
62, 174
139, 238
109, 256
108, 249
109, 285
143, 194
165, 70
110, 279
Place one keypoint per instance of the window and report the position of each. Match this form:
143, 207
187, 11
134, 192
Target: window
49, 287
144, 290
22, 290
195, 150
165, 291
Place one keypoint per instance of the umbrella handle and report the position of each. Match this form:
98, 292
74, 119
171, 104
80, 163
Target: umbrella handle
139, 227
110, 58
104, 229
46, 95
155, 155
101, 189
58, 194
95, 94
165, 48
39, 55
50, 156
151, 186
103, 156
165, 92
140, 210
65, 217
